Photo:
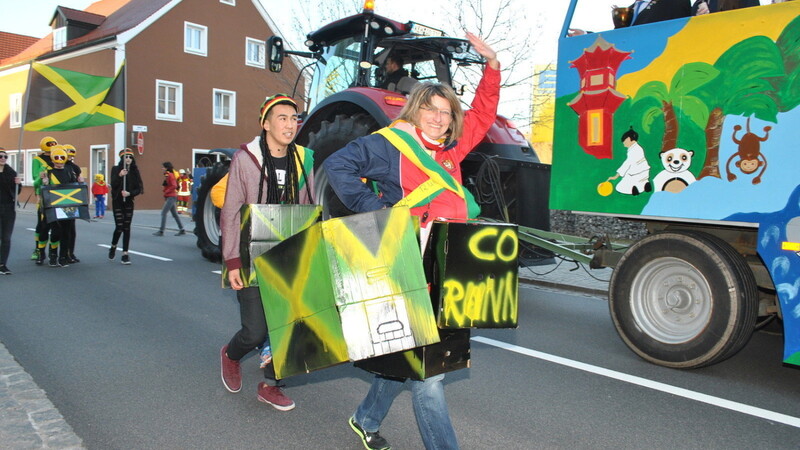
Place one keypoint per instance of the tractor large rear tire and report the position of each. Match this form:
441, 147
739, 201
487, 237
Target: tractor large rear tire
683, 299
206, 216
330, 137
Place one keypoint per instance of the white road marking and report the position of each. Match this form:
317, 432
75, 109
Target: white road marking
650, 384
146, 255
218, 272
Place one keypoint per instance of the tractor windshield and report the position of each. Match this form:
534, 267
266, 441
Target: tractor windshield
337, 70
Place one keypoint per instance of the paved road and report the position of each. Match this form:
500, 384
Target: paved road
128, 356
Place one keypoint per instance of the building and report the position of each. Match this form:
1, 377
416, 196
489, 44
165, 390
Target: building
543, 111
195, 75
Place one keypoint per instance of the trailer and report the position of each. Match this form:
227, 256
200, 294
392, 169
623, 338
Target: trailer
690, 125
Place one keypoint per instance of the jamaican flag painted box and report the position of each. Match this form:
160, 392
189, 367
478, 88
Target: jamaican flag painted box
346, 289
263, 227
473, 274
65, 202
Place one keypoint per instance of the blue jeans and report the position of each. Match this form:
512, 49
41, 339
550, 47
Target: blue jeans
100, 205
169, 206
430, 409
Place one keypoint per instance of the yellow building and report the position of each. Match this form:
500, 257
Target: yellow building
543, 110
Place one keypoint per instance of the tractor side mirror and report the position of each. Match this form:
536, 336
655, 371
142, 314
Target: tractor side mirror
275, 53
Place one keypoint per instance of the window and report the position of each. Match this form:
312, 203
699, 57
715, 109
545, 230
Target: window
224, 107
59, 38
228, 2
255, 52
15, 110
169, 101
195, 39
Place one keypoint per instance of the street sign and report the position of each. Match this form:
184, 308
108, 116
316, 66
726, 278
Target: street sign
140, 143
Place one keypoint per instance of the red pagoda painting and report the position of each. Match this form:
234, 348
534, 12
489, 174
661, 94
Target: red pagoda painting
598, 98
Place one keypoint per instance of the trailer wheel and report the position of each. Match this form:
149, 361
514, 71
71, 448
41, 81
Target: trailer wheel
683, 299
332, 136
206, 216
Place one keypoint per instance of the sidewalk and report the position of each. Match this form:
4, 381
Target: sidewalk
28, 420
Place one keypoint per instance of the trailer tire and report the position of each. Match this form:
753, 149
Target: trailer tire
331, 136
683, 299
206, 216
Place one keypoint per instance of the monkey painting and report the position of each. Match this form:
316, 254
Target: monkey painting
749, 153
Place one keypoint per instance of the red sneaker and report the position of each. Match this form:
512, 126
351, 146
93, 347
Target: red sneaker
231, 372
275, 397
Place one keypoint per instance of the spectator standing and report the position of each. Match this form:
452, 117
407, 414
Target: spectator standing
99, 190
9, 185
170, 188
184, 191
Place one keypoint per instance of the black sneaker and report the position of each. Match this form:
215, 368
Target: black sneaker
4, 270
35, 255
72, 259
53, 261
63, 261
40, 257
111, 252
180, 233
372, 441
125, 259
158, 233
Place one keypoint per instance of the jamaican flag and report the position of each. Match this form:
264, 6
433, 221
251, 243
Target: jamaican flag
60, 100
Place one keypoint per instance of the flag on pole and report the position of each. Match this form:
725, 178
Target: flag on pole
60, 99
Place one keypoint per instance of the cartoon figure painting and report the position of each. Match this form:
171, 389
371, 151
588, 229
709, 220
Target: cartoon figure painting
635, 171
749, 153
675, 176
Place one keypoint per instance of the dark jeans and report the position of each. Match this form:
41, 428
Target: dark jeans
7, 217
254, 329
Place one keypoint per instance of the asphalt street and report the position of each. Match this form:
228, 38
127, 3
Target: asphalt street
127, 357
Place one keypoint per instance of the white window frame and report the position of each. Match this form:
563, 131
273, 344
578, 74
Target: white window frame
228, 2
15, 110
59, 38
262, 53
177, 116
28, 176
199, 48
95, 166
219, 117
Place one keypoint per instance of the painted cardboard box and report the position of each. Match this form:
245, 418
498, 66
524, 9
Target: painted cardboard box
450, 354
263, 227
65, 202
346, 289
474, 274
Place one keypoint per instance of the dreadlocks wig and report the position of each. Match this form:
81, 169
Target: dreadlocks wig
290, 195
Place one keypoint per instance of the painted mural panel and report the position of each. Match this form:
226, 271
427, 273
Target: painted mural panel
692, 119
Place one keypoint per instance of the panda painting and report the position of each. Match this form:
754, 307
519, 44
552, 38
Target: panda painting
676, 175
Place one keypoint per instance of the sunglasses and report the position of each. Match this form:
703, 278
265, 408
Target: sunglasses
3, 156
59, 158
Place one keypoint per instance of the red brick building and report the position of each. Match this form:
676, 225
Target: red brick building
195, 77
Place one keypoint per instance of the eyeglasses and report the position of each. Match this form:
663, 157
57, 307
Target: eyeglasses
50, 143
436, 111
58, 158
3, 156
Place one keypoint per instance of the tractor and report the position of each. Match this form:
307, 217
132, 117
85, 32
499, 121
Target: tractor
503, 172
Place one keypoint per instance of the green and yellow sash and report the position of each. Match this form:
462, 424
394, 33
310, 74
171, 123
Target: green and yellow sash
439, 179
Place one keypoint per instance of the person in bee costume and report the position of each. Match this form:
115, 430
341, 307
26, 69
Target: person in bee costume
60, 230
71, 165
41, 163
